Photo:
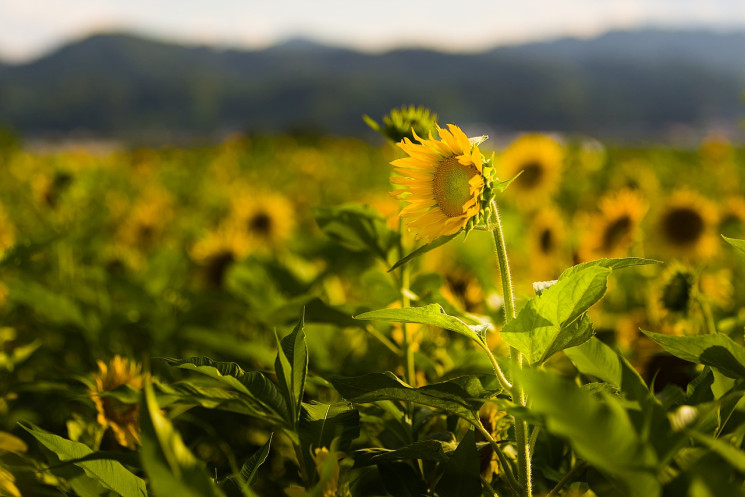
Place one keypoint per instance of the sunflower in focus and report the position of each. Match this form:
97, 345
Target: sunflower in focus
7, 232
266, 219
443, 182
122, 418
545, 241
541, 159
612, 231
686, 227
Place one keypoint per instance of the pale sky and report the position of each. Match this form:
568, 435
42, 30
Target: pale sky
29, 28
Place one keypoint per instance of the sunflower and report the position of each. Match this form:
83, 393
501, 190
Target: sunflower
541, 159
146, 221
266, 219
732, 217
545, 241
443, 183
611, 231
715, 150
218, 249
495, 422
122, 418
7, 233
717, 288
685, 227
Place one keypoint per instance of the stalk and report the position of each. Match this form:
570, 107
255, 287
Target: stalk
518, 395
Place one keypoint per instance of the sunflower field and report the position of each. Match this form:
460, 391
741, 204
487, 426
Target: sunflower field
432, 315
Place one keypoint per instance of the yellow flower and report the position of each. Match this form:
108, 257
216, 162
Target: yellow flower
715, 150
8, 483
686, 227
732, 217
144, 224
7, 232
123, 419
545, 242
327, 470
267, 219
443, 182
611, 232
541, 159
717, 288
218, 249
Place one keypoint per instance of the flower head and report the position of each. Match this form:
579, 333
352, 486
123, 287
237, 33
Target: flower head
686, 225
541, 159
122, 418
612, 231
443, 182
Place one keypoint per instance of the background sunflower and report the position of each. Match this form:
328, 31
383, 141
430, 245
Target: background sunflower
541, 160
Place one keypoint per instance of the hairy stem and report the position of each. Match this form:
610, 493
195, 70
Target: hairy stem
504, 464
518, 395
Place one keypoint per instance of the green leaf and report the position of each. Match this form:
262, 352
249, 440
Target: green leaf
554, 320
55, 307
291, 367
732, 455
596, 359
461, 396
613, 264
250, 469
716, 350
738, 244
358, 228
425, 450
171, 468
461, 476
432, 314
400, 480
438, 242
320, 424
264, 395
598, 429
110, 474
502, 185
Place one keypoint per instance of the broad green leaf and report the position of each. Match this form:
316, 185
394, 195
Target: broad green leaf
596, 359
291, 367
320, 424
716, 350
461, 475
171, 468
613, 264
729, 453
549, 322
425, 450
432, 314
400, 480
438, 242
257, 387
461, 396
55, 307
110, 474
738, 244
215, 396
250, 469
599, 430
357, 227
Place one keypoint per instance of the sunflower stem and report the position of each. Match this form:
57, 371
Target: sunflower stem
506, 468
518, 395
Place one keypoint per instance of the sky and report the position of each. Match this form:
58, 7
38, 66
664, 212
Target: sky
30, 28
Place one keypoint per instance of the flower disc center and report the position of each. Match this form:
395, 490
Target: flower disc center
683, 226
451, 186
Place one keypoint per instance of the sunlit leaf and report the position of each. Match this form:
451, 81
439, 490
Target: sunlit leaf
715, 349
291, 367
738, 244
438, 242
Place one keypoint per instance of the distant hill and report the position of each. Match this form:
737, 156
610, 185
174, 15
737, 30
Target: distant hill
621, 84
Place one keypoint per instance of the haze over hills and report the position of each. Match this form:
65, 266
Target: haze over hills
628, 85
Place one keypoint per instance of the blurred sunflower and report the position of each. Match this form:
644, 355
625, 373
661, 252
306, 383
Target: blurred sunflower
443, 183
8, 484
7, 232
717, 288
541, 159
218, 249
611, 232
685, 227
122, 418
732, 217
266, 219
146, 221
463, 287
635, 174
545, 241
406, 122
495, 422
715, 150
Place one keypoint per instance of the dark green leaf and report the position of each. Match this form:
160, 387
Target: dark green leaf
438, 242
460, 396
320, 424
110, 474
461, 476
171, 468
357, 227
426, 450
548, 323
716, 350
400, 480
291, 367
249, 471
